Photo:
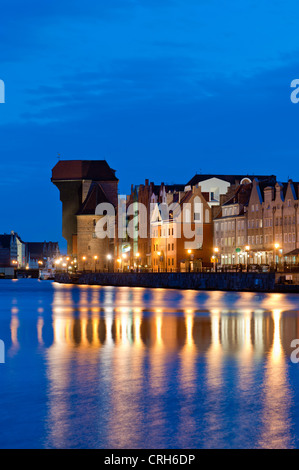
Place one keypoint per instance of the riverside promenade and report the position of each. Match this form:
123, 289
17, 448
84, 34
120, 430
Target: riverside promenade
257, 282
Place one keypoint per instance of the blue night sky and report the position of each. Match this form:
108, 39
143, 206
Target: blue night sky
161, 89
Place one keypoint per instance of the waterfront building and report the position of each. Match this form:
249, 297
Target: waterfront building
264, 212
266, 227
172, 250
221, 188
230, 228
41, 254
83, 184
138, 248
275, 206
12, 251
290, 224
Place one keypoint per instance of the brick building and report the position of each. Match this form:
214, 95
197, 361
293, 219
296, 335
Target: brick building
83, 184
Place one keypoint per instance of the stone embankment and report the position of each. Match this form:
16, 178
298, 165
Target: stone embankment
259, 282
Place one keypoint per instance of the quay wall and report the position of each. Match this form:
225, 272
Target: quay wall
260, 282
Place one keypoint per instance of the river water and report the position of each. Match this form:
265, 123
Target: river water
118, 367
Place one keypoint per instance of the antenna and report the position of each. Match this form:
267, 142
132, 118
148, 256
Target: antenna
58, 156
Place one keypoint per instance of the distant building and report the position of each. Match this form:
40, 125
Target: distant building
41, 254
12, 251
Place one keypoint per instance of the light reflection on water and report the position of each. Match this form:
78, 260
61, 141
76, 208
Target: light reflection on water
154, 368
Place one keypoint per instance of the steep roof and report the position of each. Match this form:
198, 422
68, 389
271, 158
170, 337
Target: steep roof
241, 195
96, 170
174, 187
232, 179
96, 195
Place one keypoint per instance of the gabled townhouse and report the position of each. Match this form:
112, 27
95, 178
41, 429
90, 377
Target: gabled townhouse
230, 228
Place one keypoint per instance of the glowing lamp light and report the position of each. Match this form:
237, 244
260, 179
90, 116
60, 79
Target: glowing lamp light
109, 256
276, 246
84, 258
189, 252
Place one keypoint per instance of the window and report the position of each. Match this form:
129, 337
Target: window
252, 207
207, 216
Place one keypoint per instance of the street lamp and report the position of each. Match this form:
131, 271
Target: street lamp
84, 259
247, 248
124, 257
216, 251
95, 263
276, 246
137, 259
109, 257
159, 254
189, 253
